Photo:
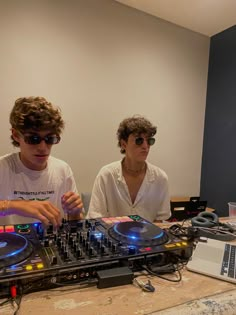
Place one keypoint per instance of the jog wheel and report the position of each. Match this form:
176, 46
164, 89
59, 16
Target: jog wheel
14, 248
138, 233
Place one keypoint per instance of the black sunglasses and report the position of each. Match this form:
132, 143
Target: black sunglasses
36, 139
140, 140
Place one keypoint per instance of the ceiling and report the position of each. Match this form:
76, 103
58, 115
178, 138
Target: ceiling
207, 17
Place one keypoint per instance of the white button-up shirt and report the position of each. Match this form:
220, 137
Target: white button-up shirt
110, 195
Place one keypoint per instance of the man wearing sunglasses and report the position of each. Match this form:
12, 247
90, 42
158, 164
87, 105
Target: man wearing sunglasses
132, 185
35, 185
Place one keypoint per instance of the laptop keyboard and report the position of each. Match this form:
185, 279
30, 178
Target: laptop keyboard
228, 264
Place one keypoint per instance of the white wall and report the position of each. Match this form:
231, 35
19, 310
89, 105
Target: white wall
100, 62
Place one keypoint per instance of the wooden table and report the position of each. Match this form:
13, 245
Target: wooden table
194, 295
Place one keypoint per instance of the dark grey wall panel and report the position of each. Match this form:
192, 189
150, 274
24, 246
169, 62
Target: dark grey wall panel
218, 178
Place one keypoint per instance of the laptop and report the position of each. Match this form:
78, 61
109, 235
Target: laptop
215, 259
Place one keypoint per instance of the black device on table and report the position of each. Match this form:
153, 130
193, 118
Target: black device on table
182, 210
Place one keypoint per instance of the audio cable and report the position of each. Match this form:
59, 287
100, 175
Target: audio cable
167, 269
15, 299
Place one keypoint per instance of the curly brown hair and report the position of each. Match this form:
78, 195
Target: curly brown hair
134, 125
35, 113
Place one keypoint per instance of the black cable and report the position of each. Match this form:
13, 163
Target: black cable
83, 284
18, 303
5, 302
193, 232
216, 229
157, 274
187, 233
13, 301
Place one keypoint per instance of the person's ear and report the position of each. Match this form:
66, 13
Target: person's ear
15, 135
123, 144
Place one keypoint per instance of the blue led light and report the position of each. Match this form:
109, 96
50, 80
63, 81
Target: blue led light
3, 244
98, 235
159, 235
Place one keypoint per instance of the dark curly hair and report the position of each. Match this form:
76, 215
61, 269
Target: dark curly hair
134, 125
35, 113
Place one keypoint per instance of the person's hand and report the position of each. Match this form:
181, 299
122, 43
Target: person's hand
72, 205
44, 211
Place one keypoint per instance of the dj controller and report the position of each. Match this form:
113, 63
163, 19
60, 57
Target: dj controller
35, 258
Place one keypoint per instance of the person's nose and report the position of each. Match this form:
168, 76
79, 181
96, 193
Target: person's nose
145, 144
43, 145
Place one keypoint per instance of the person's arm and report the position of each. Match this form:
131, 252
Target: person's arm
71, 201
44, 211
98, 204
164, 212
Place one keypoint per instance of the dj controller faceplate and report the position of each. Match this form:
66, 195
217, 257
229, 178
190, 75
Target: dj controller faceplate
36, 258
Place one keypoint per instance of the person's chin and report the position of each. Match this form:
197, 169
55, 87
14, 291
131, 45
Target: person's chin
144, 156
41, 158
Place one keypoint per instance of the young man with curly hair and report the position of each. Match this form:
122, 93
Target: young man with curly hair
35, 185
132, 185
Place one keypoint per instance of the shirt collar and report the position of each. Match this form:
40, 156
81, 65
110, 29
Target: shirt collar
150, 175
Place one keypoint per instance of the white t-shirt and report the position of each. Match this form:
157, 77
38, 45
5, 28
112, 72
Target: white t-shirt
17, 182
110, 195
